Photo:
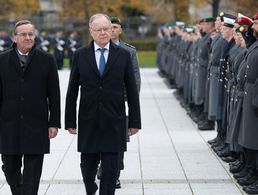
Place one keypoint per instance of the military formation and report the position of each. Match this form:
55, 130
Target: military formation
213, 67
61, 46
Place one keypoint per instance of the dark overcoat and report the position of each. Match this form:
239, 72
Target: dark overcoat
29, 102
202, 65
102, 118
249, 132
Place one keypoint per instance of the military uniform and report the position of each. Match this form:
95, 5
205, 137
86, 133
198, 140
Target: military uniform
239, 68
217, 46
5, 42
43, 43
73, 43
59, 50
248, 134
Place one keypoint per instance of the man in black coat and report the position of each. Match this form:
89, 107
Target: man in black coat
101, 70
29, 109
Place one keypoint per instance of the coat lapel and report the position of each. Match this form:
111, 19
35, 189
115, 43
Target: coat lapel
90, 55
31, 54
14, 61
112, 56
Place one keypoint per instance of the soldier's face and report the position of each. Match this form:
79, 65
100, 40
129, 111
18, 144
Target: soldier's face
237, 36
255, 28
116, 31
100, 31
226, 32
24, 37
218, 24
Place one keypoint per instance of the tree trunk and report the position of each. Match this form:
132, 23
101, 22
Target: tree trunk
87, 18
215, 7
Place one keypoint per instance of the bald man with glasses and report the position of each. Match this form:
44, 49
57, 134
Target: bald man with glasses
101, 70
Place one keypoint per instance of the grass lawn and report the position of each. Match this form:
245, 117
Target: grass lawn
147, 59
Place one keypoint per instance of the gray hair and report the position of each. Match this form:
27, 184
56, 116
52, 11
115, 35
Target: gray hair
21, 22
96, 16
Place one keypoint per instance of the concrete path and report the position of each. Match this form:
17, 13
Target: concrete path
169, 156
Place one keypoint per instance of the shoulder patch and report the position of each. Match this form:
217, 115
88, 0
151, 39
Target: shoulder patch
128, 45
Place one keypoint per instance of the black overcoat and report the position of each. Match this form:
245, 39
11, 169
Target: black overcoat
29, 102
102, 118
248, 134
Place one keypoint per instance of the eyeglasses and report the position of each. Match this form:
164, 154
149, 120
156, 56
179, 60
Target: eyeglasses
99, 30
30, 35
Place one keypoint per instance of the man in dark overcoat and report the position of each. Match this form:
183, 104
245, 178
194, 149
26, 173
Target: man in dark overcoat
101, 70
29, 109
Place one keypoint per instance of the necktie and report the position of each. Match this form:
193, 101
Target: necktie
23, 59
102, 62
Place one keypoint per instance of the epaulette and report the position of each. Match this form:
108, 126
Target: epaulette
130, 46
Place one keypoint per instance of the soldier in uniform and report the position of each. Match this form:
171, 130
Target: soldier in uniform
74, 42
248, 133
59, 49
43, 41
217, 45
160, 35
222, 149
116, 31
239, 166
207, 26
5, 41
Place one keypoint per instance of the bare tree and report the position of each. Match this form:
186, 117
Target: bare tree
215, 7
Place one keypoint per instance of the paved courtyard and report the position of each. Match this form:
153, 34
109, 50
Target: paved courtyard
169, 156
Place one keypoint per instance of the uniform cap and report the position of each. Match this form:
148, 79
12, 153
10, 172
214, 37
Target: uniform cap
243, 20
115, 20
255, 16
229, 20
242, 28
209, 19
222, 15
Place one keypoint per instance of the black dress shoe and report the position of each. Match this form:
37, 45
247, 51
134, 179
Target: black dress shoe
218, 143
118, 184
248, 180
224, 153
206, 125
228, 159
218, 148
237, 168
240, 174
251, 189
235, 163
212, 141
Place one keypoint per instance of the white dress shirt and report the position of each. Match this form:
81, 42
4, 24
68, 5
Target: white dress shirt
98, 53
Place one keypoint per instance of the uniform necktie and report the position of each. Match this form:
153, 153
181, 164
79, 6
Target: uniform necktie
102, 62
